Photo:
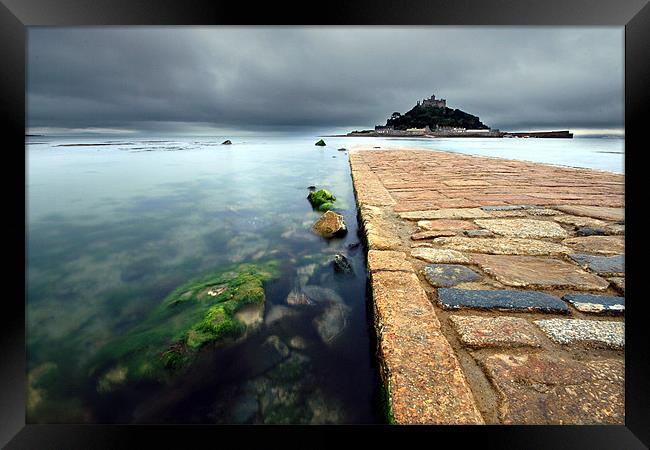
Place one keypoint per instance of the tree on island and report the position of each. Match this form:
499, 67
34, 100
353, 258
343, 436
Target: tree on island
421, 116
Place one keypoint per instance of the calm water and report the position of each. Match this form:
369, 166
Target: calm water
113, 229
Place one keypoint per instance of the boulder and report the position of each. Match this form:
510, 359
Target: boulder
330, 225
321, 143
226, 142
331, 323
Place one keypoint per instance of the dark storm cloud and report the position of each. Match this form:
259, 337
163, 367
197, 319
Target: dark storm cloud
250, 77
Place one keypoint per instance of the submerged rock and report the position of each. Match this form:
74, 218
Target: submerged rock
321, 143
341, 264
342, 149
322, 200
215, 309
321, 294
332, 322
226, 142
278, 313
330, 225
296, 297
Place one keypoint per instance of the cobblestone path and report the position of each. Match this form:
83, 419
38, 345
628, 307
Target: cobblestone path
498, 287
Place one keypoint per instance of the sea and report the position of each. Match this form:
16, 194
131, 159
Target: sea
115, 224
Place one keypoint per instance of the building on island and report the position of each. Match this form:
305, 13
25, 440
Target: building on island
440, 103
380, 129
418, 131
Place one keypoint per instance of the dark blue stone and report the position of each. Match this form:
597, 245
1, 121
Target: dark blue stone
507, 208
508, 300
588, 231
602, 265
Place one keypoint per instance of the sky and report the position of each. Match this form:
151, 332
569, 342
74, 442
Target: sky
209, 80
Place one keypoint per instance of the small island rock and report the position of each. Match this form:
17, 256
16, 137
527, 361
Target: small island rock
226, 142
321, 143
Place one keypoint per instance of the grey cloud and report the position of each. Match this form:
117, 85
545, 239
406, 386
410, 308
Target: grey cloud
250, 77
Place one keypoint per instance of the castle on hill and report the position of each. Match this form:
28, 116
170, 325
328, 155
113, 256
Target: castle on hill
440, 103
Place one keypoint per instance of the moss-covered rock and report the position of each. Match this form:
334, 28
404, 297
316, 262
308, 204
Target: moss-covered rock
202, 311
321, 143
322, 200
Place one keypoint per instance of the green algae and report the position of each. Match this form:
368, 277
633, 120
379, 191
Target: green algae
197, 313
322, 200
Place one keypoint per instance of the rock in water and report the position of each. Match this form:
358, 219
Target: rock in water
342, 149
297, 297
341, 264
322, 200
311, 188
331, 323
322, 295
226, 142
321, 143
330, 225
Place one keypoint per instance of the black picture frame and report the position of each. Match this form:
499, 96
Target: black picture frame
16, 15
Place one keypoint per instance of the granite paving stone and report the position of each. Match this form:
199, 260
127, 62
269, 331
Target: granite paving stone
478, 233
445, 275
503, 246
537, 272
523, 228
579, 221
445, 213
540, 388
431, 234
502, 299
480, 332
618, 283
598, 332
604, 245
420, 371
445, 224
602, 265
439, 255
588, 231
596, 303
388, 260
598, 212
506, 207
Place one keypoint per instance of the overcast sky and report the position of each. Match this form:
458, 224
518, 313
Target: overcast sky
200, 80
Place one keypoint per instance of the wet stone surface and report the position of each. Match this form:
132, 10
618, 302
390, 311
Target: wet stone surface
445, 275
602, 265
506, 208
445, 213
527, 271
596, 303
479, 331
508, 300
540, 388
597, 332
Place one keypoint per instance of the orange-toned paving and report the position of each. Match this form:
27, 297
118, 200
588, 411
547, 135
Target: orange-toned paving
498, 287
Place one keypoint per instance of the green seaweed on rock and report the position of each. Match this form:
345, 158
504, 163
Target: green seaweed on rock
199, 312
322, 200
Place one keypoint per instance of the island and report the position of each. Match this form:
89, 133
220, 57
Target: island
432, 118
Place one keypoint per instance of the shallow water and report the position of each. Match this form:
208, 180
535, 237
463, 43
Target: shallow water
113, 228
